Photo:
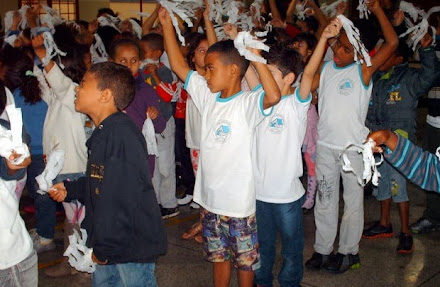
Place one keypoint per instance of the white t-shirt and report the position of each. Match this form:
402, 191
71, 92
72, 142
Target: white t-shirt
277, 157
225, 181
9, 101
193, 125
343, 105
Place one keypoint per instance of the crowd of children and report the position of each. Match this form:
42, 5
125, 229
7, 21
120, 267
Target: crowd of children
229, 119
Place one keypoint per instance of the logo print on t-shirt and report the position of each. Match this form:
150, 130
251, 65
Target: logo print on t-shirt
277, 124
345, 87
222, 131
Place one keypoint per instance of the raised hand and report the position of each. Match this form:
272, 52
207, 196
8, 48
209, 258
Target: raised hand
332, 29
230, 30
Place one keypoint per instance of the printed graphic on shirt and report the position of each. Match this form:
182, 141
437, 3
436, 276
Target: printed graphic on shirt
222, 131
394, 94
277, 124
325, 188
97, 171
345, 87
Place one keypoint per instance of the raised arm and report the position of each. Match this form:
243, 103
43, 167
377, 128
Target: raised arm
177, 61
314, 63
388, 47
274, 9
209, 26
317, 13
148, 24
290, 11
272, 92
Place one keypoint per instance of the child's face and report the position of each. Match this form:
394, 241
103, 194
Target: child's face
128, 56
149, 53
343, 50
303, 49
216, 73
199, 55
87, 94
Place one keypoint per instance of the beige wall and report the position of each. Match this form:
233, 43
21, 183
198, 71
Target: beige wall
89, 8
7, 5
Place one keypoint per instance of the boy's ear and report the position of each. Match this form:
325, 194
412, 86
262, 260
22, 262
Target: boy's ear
235, 70
289, 78
106, 96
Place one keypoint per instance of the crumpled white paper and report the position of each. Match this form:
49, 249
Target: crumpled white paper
51, 49
244, 40
370, 164
23, 23
97, 50
9, 17
11, 140
301, 9
137, 29
108, 20
51, 18
332, 9
150, 137
363, 10
80, 256
11, 39
53, 167
148, 62
355, 40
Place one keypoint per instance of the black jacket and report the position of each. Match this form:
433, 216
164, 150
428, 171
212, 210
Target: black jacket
123, 219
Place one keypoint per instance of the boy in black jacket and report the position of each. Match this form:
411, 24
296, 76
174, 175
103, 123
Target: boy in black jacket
123, 219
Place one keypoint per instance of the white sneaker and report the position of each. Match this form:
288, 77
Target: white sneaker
194, 205
184, 201
41, 244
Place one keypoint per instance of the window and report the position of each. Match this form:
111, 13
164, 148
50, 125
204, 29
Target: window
68, 8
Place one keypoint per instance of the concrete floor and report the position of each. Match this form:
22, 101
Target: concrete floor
184, 266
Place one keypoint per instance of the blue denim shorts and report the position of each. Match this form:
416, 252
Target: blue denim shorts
392, 184
231, 239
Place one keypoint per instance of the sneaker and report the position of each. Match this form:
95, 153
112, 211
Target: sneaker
340, 263
423, 225
406, 244
185, 200
42, 244
194, 205
170, 212
378, 231
317, 261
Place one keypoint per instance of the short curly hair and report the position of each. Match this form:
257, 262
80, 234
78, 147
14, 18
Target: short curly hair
117, 79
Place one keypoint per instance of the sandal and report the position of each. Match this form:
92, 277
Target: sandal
195, 230
198, 238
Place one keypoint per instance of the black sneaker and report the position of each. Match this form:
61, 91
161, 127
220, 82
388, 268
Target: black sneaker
406, 244
169, 212
378, 231
317, 261
423, 225
340, 263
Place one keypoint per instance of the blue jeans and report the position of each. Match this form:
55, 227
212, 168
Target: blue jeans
392, 184
287, 219
23, 274
45, 207
127, 275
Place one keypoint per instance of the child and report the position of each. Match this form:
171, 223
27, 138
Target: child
17, 74
418, 165
397, 89
18, 260
127, 53
277, 173
304, 44
225, 182
344, 92
164, 179
123, 219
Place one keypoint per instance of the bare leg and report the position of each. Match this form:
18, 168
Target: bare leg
385, 206
245, 278
404, 215
222, 274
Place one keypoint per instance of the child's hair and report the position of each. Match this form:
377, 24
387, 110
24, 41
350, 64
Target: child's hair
154, 41
64, 36
369, 32
107, 34
102, 11
192, 41
403, 51
311, 23
2, 97
287, 60
229, 55
434, 20
123, 42
310, 40
83, 23
276, 36
117, 79
17, 73
74, 66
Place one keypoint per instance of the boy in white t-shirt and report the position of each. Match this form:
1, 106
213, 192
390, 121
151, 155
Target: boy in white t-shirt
277, 172
344, 93
225, 183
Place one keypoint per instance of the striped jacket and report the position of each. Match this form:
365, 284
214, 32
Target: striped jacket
419, 166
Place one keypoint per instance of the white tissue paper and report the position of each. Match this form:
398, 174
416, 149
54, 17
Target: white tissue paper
150, 137
80, 256
97, 50
244, 40
370, 164
109, 20
11, 140
355, 40
363, 10
136, 28
52, 18
51, 49
53, 167
301, 9
332, 9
